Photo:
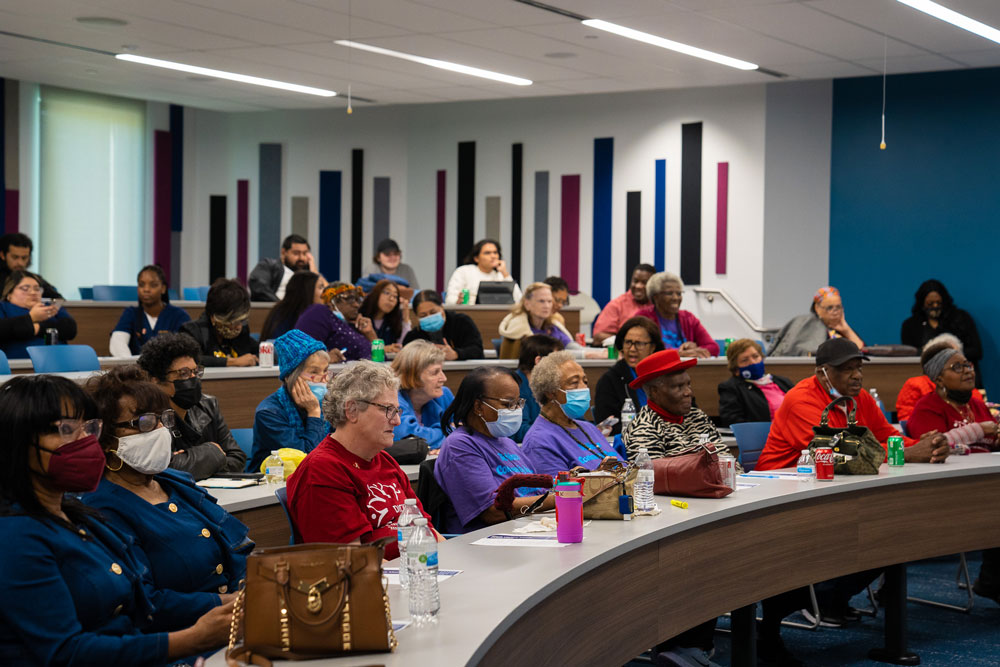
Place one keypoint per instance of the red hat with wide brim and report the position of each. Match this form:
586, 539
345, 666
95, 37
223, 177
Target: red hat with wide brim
660, 363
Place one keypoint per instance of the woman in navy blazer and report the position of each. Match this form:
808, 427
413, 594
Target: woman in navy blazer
74, 591
190, 544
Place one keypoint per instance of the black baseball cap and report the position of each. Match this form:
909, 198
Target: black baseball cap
387, 246
837, 351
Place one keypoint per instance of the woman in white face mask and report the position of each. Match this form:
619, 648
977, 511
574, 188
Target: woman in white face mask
185, 539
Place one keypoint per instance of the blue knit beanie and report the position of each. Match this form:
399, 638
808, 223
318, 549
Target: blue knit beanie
292, 348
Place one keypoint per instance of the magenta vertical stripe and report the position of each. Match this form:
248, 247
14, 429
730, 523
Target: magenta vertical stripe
441, 186
569, 244
721, 218
242, 229
162, 196
12, 211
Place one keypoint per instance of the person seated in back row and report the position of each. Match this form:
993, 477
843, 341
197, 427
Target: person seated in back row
269, 278
679, 329
624, 306
223, 330
454, 333
153, 315
423, 398
304, 289
560, 295
751, 395
825, 320
25, 320
389, 314
484, 262
388, 260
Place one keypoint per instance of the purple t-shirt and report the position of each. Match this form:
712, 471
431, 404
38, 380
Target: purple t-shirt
469, 469
552, 449
553, 332
319, 322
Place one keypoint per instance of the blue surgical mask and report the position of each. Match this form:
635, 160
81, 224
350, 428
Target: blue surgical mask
833, 391
753, 371
577, 402
338, 314
507, 423
432, 322
318, 390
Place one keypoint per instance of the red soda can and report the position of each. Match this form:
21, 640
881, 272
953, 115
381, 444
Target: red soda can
581, 339
824, 463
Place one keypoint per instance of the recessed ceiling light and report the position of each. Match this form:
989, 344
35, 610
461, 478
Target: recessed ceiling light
440, 64
950, 16
221, 74
663, 43
102, 21
559, 55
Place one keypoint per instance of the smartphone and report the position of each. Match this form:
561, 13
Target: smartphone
58, 303
609, 422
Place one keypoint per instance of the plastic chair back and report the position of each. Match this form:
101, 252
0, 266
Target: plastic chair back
282, 496
191, 294
172, 293
750, 438
63, 358
86, 293
244, 438
4, 364
115, 293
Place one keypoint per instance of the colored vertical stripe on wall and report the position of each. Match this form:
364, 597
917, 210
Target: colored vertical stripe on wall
216, 237
330, 200
516, 195
176, 167
242, 229
466, 205
493, 218
633, 232
541, 224
722, 218
174, 270
659, 219
442, 182
357, 210
269, 198
162, 201
691, 203
604, 151
380, 211
3, 156
10, 172
569, 242
11, 211
300, 216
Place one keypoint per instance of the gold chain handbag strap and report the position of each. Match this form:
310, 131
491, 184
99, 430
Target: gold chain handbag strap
388, 613
234, 625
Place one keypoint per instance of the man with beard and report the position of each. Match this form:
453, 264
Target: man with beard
624, 306
269, 278
15, 255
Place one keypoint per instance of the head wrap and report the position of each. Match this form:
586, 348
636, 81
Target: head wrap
333, 290
824, 292
293, 348
935, 365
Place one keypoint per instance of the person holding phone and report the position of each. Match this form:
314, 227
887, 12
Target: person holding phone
24, 317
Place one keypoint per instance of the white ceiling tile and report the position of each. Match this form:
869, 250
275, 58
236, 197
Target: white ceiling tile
925, 63
830, 70
320, 19
494, 12
987, 58
410, 15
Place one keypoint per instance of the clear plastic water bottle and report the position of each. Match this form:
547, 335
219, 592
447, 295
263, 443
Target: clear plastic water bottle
873, 392
404, 528
805, 469
422, 561
644, 482
274, 468
628, 413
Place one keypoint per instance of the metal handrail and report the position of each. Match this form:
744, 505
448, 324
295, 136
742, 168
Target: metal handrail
710, 292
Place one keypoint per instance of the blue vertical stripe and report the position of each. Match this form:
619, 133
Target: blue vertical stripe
660, 216
604, 150
329, 223
176, 168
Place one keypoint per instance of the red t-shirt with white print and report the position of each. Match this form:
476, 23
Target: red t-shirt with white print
336, 496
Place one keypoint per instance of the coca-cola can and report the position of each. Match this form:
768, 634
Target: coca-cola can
581, 339
824, 463
265, 354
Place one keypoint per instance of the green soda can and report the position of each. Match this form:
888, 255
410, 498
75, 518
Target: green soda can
378, 350
465, 297
612, 352
729, 341
895, 450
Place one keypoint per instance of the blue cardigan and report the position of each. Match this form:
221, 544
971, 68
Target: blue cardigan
74, 597
169, 538
428, 426
273, 429
133, 322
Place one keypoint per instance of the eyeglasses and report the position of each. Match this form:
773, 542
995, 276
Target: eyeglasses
70, 429
958, 367
391, 295
322, 376
638, 344
29, 289
831, 309
147, 422
508, 404
348, 298
560, 302
390, 410
187, 373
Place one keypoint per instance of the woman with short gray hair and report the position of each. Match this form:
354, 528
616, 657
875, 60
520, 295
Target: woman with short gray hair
561, 439
348, 489
679, 329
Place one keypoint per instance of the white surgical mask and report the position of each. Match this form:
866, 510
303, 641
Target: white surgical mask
148, 453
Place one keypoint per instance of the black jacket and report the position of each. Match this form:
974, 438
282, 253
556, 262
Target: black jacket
612, 390
214, 351
915, 332
265, 279
742, 401
460, 332
197, 434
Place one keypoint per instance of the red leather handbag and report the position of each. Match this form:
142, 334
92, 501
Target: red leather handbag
693, 472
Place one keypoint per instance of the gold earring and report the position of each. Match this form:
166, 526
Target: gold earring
120, 462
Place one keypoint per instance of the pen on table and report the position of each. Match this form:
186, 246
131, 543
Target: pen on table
751, 476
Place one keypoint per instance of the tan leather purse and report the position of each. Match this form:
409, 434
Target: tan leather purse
312, 600
603, 487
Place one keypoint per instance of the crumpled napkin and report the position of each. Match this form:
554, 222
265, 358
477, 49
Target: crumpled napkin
653, 512
546, 524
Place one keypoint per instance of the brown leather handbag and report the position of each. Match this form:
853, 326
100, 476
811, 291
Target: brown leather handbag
312, 600
693, 472
603, 487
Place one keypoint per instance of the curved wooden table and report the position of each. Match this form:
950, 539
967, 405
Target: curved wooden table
631, 585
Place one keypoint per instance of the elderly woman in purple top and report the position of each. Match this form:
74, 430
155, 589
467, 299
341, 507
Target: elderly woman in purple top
479, 455
560, 439
327, 325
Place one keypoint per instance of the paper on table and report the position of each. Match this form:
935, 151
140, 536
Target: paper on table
770, 474
745, 485
221, 483
392, 574
501, 540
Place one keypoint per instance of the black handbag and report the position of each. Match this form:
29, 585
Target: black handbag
856, 451
409, 451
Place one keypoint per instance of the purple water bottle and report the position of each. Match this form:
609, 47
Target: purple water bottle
569, 512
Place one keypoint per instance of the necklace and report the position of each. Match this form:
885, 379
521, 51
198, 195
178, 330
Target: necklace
596, 452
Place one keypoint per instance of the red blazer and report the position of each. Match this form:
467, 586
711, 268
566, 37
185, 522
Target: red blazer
690, 327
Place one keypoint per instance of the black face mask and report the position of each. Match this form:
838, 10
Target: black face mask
958, 395
933, 313
187, 392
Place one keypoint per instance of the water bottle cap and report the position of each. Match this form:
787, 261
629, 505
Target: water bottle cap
805, 451
274, 452
643, 450
410, 501
420, 522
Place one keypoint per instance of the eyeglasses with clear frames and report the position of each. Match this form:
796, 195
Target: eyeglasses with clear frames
187, 373
29, 289
390, 410
148, 421
508, 404
71, 429
958, 367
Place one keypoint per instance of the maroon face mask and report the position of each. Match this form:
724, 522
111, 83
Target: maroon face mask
77, 466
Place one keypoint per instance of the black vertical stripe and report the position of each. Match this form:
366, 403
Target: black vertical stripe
357, 208
516, 176
3, 157
466, 209
176, 171
216, 237
633, 232
691, 203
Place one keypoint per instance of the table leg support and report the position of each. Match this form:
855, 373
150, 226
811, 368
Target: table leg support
744, 636
894, 602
